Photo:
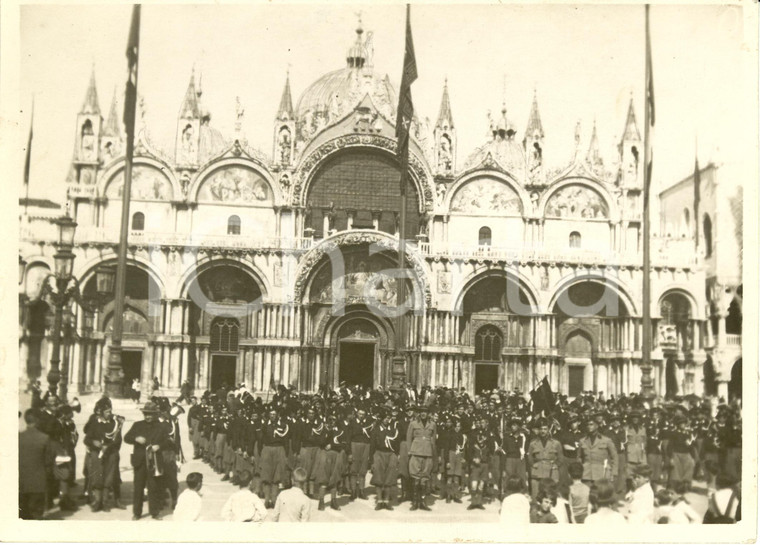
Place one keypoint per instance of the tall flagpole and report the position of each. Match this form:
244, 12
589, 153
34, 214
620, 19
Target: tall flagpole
114, 379
647, 383
404, 118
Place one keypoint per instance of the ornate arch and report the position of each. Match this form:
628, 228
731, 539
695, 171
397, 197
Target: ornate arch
203, 264
589, 183
583, 330
310, 260
118, 165
526, 286
328, 328
620, 289
304, 174
87, 271
683, 291
243, 162
488, 173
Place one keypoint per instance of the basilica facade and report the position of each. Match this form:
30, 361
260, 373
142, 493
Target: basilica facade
246, 267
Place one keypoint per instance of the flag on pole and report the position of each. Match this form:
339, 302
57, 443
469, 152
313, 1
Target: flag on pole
697, 198
133, 49
405, 106
28, 160
649, 114
542, 397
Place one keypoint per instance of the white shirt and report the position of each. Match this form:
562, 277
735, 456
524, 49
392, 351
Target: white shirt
188, 506
561, 511
244, 506
641, 508
515, 509
605, 515
292, 506
683, 513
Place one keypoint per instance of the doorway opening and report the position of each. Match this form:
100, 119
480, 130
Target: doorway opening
735, 385
576, 383
486, 377
357, 364
222, 371
131, 364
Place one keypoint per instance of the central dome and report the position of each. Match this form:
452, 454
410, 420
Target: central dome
338, 93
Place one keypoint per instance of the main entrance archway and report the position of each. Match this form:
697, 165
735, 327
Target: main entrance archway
358, 341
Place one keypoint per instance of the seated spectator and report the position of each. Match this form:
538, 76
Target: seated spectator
244, 505
515, 508
604, 500
292, 504
664, 499
542, 511
641, 506
188, 507
682, 512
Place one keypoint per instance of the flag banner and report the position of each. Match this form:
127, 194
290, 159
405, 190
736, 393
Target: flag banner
649, 115
543, 397
28, 159
133, 49
405, 112
697, 198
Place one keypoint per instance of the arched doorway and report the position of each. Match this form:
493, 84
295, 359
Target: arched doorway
735, 385
488, 343
578, 362
358, 343
223, 345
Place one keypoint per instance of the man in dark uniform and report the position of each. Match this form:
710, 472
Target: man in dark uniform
544, 457
359, 433
173, 456
193, 425
49, 424
384, 455
149, 438
36, 457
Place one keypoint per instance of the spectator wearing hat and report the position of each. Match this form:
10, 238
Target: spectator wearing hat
421, 438
604, 500
149, 438
641, 499
384, 455
544, 457
598, 455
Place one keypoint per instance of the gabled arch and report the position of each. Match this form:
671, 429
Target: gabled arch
201, 265
589, 183
494, 174
623, 292
118, 165
243, 162
526, 286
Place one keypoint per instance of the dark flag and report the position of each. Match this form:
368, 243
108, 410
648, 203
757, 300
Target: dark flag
28, 160
649, 114
697, 198
542, 397
133, 49
405, 107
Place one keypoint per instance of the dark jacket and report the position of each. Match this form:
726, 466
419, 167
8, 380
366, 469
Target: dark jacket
155, 433
36, 459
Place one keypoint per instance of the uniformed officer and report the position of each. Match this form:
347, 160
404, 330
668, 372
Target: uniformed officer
598, 455
384, 455
421, 439
544, 457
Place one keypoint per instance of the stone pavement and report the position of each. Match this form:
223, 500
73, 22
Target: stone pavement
215, 491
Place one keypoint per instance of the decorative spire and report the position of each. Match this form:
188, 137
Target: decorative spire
631, 131
534, 129
445, 118
91, 105
593, 157
113, 124
190, 105
285, 111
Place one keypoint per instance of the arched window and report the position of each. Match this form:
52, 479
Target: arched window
87, 128
484, 236
707, 230
488, 344
138, 221
575, 239
685, 223
224, 335
233, 225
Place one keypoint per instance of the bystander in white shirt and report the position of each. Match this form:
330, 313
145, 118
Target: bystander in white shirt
641, 507
188, 507
515, 509
292, 506
244, 506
